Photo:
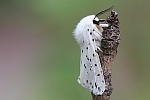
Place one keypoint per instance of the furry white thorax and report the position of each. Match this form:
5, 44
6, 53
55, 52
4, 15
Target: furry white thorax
83, 25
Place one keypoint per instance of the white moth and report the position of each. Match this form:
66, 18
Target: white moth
88, 34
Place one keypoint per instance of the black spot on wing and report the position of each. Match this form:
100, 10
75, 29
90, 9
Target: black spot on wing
87, 58
90, 83
95, 84
84, 66
103, 81
86, 81
90, 68
99, 89
93, 55
90, 60
90, 33
93, 40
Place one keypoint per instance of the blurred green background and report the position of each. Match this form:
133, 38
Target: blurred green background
39, 58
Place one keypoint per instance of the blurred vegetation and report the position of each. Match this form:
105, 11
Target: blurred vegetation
56, 55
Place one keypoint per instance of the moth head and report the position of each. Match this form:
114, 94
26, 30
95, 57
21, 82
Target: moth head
97, 22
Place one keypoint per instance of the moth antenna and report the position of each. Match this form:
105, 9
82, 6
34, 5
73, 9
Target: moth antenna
104, 11
100, 13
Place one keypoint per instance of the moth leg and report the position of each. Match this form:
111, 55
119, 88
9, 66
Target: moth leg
104, 25
99, 49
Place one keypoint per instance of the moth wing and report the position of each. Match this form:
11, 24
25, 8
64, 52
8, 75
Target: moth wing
91, 74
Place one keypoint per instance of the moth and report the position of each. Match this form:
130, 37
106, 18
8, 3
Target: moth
88, 34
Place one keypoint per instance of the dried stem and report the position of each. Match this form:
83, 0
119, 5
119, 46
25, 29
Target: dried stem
109, 44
